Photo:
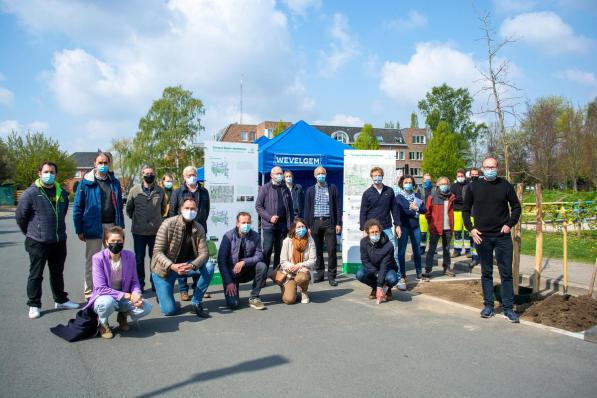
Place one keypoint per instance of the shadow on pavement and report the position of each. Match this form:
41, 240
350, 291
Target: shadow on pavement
14, 231
248, 366
8, 244
149, 327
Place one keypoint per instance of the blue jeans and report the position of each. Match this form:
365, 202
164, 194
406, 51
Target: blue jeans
415, 241
104, 306
142, 244
370, 278
503, 254
164, 287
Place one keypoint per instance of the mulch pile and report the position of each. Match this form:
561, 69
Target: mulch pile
567, 312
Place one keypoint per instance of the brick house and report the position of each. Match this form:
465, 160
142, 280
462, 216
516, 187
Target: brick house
249, 132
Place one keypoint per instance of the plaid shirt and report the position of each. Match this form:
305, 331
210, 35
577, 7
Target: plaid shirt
322, 201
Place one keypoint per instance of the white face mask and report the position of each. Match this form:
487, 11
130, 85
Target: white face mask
460, 179
191, 180
189, 215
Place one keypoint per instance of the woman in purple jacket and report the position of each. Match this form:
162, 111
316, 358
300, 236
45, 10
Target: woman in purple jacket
115, 285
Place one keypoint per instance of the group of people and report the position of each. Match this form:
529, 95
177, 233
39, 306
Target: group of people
170, 226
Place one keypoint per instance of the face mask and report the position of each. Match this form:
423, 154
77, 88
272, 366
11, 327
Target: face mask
115, 247
149, 179
189, 215
374, 238
245, 228
427, 184
47, 178
278, 178
289, 180
490, 174
444, 188
474, 178
408, 187
377, 180
103, 168
300, 231
321, 177
168, 185
460, 179
191, 180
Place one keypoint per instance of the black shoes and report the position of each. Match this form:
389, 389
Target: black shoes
332, 281
200, 311
318, 278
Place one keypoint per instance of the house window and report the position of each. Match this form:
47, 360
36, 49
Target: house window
269, 133
78, 174
400, 155
415, 156
415, 171
244, 136
419, 139
340, 136
379, 138
252, 136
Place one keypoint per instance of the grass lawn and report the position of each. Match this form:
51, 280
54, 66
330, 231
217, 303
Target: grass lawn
581, 249
559, 195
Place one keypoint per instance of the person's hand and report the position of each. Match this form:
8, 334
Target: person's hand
338, 229
238, 267
274, 219
398, 231
413, 206
379, 295
294, 268
81, 237
477, 236
137, 300
231, 289
127, 296
181, 268
505, 229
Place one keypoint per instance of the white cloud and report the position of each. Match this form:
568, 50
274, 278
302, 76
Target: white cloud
513, 6
414, 20
343, 48
6, 97
579, 76
545, 30
431, 65
7, 126
301, 7
341, 119
37, 126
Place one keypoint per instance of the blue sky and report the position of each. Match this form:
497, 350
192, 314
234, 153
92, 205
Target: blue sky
85, 72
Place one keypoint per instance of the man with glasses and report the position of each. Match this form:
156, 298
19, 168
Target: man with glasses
496, 211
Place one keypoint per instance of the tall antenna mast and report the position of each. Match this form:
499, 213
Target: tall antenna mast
241, 99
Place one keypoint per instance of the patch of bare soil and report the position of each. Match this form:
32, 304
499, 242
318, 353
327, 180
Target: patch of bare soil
463, 292
567, 312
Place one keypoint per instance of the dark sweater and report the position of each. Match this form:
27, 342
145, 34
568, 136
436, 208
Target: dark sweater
489, 201
378, 257
379, 206
457, 189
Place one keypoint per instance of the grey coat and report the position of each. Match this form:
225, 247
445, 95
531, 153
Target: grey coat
146, 210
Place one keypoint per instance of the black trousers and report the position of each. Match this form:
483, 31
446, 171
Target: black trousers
143, 243
433, 240
40, 253
323, 231
272, 242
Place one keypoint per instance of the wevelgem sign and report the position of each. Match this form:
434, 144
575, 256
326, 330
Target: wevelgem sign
294, 160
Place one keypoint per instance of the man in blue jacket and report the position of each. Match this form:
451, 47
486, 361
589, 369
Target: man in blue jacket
40, 215
97, 207
240, 260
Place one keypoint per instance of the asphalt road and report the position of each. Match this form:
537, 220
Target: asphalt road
341, 344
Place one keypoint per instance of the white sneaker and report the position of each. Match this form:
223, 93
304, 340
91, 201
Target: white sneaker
401, 285
305, 298
69, 305
34, 312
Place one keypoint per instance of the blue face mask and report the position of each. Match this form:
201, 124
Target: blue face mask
490, 174
374, 238
427, 184
278, 178
168, 185
47, 178
377, 179
103, 168
245, 228
300, 231
321, 177
289, 180
444, 188
408, 187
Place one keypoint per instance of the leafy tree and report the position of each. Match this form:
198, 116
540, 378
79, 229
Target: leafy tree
34, 149
442, 156
166, 136
414, 121
122, 165
388, 125
7, 164
366, 139
280, 127
453, 106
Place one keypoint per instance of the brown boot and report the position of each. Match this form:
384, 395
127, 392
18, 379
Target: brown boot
123, 322
372, 294
105, 331
184, 296
389, 295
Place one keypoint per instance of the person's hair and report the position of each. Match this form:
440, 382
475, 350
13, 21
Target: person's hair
113, 230
374, 222
427, 174
241, 214
145, 167
41, 166
105, 154
378, 169
460, 171
168, 174
289, 172
442, 178
404, 177
186, 198
319, 168
491, 157
291, 231
276, 167
475, 169
189, 168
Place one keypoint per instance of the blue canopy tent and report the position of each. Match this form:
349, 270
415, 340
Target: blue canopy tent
301, 148
261, 140
200, 174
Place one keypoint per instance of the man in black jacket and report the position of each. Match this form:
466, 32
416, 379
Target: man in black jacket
489, 199
323, 216
40, 216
